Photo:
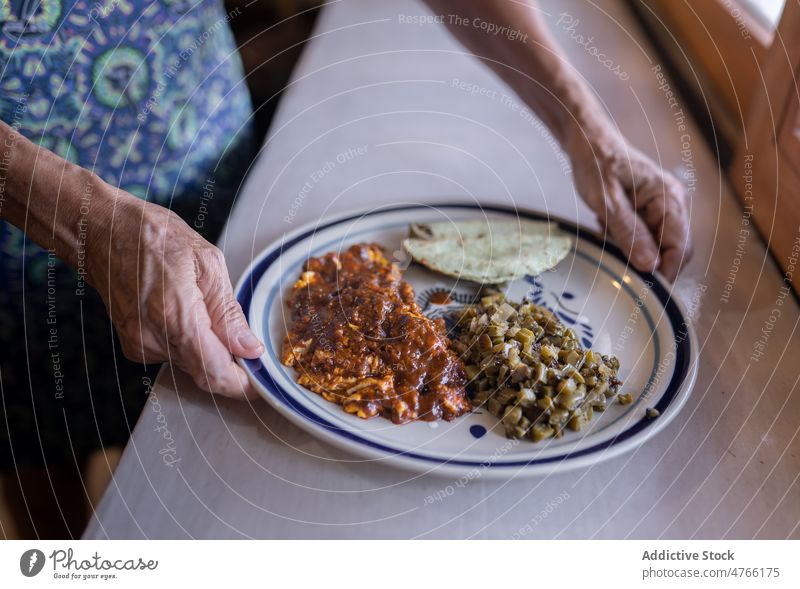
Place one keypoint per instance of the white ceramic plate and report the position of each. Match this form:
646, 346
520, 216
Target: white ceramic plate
613, 308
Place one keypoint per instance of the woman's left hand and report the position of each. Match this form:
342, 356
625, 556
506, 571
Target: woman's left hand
642, 207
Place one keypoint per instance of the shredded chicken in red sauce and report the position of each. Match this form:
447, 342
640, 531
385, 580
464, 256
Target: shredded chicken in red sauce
359, 339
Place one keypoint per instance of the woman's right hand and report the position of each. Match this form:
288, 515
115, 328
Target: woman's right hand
168, 294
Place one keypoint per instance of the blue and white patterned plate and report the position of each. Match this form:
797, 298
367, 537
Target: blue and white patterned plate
614, 309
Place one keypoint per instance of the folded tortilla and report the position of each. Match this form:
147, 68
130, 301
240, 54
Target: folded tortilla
488, 252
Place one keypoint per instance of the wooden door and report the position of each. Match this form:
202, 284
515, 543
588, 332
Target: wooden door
766, 167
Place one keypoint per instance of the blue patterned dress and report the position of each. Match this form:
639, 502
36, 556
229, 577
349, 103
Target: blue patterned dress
150, 96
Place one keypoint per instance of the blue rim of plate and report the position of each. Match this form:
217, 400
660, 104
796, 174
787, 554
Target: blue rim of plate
681, 346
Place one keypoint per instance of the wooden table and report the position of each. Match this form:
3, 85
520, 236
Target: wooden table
415, 119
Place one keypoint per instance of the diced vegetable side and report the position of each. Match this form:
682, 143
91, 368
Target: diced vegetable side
528, 369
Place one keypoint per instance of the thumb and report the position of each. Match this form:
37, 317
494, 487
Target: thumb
227, 319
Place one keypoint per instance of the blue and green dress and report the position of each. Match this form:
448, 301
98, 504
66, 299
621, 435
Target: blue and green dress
150, 96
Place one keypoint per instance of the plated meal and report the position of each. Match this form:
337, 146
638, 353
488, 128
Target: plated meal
360, 340
459, 339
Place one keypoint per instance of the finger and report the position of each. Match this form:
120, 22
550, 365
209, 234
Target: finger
635, 168
227, 319
628, 230
198, 351
660, 199
138, 341
667, 216
672, 261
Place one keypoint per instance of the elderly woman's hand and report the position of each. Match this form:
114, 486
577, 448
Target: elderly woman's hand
168, 294
642, 207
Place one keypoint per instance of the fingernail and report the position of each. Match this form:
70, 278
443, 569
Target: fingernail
250, 341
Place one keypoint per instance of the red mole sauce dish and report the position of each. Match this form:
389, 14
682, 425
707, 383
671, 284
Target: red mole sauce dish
359, 339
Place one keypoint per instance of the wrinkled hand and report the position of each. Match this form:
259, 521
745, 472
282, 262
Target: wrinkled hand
642, 207
169, 297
